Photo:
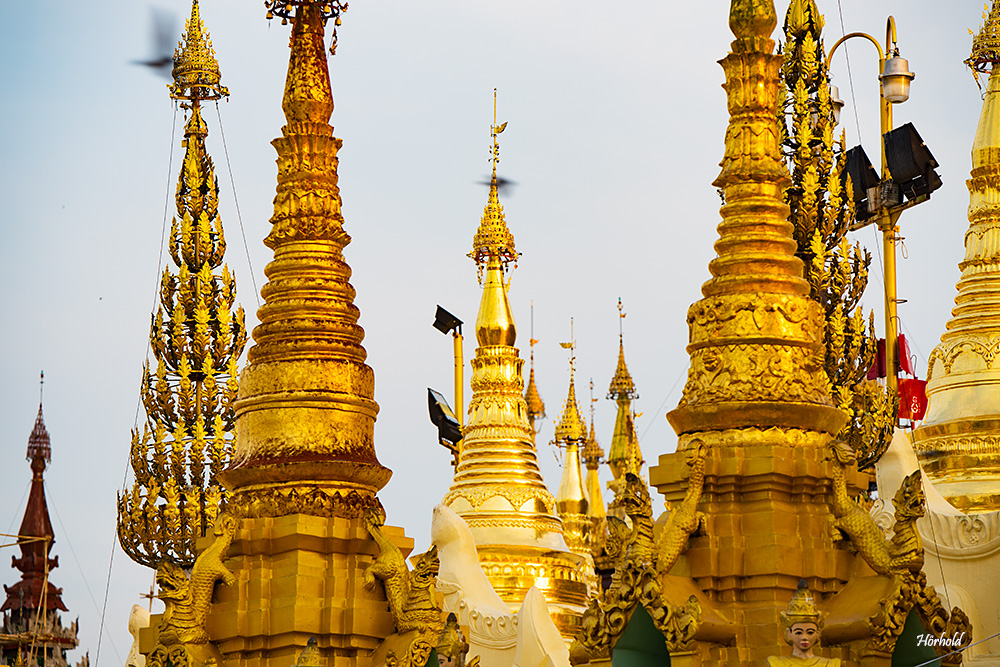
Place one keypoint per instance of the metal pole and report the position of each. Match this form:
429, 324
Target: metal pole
887, 224
459, 377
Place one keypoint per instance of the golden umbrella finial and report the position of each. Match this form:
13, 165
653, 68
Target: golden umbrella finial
196, 70
986, 44
493, 239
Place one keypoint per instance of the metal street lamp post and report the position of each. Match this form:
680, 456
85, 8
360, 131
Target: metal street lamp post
894, 88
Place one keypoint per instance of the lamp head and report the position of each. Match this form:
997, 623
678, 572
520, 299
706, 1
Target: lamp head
910, 162
449, 431
864, 180
445, 322
896, 79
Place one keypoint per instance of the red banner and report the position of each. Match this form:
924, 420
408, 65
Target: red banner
912, 398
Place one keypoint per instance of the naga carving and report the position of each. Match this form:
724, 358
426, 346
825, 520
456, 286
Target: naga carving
686, 519
905, 551
183, 640
412, 599
637, 577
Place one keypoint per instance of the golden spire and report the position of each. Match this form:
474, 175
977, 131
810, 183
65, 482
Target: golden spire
197, 340
592, 457
536, 407
571, 499
622, 391
955, 442
498, 488
306, 409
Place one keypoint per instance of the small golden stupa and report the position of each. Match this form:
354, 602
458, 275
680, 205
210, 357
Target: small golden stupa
571, 498
498, 488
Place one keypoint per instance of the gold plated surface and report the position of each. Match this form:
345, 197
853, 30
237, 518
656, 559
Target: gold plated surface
305, 472
498, 488
197, 337
306, 396
958, 442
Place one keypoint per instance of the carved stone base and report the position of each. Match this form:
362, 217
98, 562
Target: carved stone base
299, 576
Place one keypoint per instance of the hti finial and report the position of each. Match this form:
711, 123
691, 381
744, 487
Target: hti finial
196, 71
493, 239
621, 316
331, 9
41, 386
571, 346
532, 340
986, 45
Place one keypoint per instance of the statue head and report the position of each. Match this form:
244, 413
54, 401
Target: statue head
803, 622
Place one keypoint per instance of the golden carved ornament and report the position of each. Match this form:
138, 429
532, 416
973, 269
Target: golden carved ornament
905, 553
197, 337
637, 577
183, 640
821, 212
415, 609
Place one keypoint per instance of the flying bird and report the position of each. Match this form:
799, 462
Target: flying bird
164, 36
505, 186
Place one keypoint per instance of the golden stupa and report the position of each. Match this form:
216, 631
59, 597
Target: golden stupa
571, 498
498, 488
957, 442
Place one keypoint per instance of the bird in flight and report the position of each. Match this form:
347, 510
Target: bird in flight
164, 36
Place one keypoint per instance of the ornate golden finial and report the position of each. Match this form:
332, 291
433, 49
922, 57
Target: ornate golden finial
196, 70
493, 240
328, 9
536, 407
622, 387
197, 337
986, 45
571, 427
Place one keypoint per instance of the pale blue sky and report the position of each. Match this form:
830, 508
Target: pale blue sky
616, 127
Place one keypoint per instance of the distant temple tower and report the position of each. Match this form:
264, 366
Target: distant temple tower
498, 487
28, 636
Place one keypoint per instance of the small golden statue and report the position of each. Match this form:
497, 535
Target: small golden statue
803, 623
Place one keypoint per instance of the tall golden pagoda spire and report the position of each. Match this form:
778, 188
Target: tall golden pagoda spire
956, 442
306, 396
622, 391
197, 339
498, 487
305, 473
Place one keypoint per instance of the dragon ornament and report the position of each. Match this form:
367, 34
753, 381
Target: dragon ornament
900, 557
183, 640
637, 577
411, 596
